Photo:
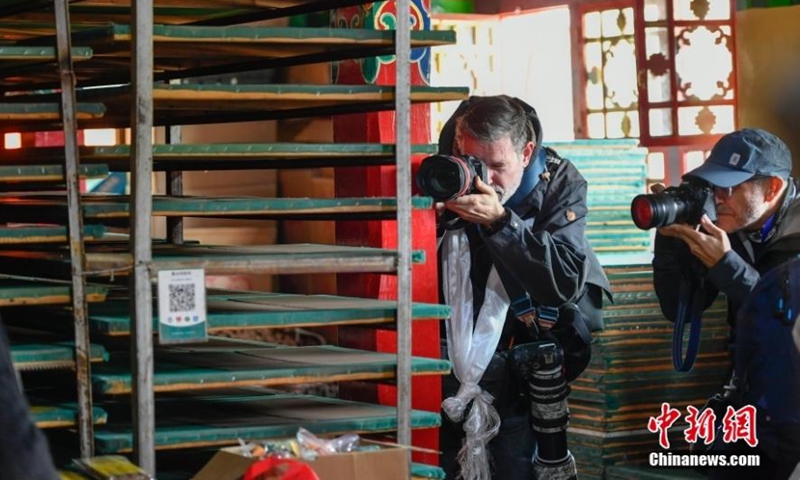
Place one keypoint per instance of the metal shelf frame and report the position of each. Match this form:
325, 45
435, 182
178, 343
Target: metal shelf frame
75, 227
403, 141
141, 207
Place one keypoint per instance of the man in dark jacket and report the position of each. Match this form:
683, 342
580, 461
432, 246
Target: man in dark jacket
767, 367
521, 258
758, 225
24, 453
758, 228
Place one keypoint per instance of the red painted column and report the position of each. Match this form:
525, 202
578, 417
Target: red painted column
380, 182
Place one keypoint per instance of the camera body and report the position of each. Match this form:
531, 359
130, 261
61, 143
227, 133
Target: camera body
447, 177
686, 203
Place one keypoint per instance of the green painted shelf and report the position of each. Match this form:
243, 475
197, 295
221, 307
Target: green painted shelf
232, 156
19, 292
286, 259
29, 234
187, 421
231, 363
244, 311
235, 49
53, 208
46, 356
63, 415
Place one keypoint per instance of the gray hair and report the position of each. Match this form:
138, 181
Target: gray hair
490, 119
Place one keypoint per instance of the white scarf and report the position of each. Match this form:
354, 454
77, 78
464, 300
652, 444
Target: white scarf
470, 351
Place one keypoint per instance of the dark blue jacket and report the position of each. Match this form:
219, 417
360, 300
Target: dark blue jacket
543, 246
767, 364
737, 273
24, 453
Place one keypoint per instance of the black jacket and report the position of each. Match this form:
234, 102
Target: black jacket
24, 451
737, 273
543, 245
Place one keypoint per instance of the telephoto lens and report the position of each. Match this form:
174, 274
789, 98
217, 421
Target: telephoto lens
686, 203
447, 177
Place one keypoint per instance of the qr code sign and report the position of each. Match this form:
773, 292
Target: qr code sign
181, 297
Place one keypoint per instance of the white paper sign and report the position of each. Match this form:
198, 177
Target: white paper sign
182, 306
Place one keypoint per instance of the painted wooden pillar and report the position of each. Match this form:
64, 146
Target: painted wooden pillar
380, 182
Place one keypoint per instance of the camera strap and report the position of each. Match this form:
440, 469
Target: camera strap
690, 309
535, 316
538, 318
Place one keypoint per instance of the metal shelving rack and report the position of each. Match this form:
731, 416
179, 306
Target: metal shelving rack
141, 204
142, 266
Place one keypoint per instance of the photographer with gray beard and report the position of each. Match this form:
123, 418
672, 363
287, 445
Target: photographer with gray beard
756, 230
525, 291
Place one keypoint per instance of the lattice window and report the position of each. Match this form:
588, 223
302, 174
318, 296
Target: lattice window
525, 55
609, 61
473, 61
687, 75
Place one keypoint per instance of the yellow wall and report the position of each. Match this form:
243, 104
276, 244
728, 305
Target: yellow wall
768, 56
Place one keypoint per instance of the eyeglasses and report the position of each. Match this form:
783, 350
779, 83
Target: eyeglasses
724, 193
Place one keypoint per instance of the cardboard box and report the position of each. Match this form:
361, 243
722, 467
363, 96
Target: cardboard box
385, 464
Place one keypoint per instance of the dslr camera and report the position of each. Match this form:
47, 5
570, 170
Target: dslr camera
685, 203
447, 177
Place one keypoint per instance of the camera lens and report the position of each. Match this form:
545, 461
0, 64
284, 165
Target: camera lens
642, 212
686, 203
658, 210
444, 177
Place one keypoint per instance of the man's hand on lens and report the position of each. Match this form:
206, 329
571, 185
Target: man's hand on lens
483, 207
708, 246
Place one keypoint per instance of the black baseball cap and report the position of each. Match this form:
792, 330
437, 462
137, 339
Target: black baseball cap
743, 154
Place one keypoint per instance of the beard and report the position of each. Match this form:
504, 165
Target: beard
505, 194
746, 217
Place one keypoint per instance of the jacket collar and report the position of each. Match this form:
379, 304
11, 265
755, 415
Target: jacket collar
530, 178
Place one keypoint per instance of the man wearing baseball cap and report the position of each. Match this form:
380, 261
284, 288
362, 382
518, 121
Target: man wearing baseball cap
758, 220
757, 228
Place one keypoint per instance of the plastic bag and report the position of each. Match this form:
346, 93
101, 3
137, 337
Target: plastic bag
311, 446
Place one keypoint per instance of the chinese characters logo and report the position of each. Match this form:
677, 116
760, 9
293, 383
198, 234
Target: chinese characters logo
736, 425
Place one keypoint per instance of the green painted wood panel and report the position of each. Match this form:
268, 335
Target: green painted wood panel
233, 156
631, 373
46, 173
290, 38
235, 364
616, 172
193, 104
197, 421
250, 311
52, 208
286, 259
62, 415
231, 12
45, 234
420, 470
19, 292
41, 356
22, 112
10, 54
235, 49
